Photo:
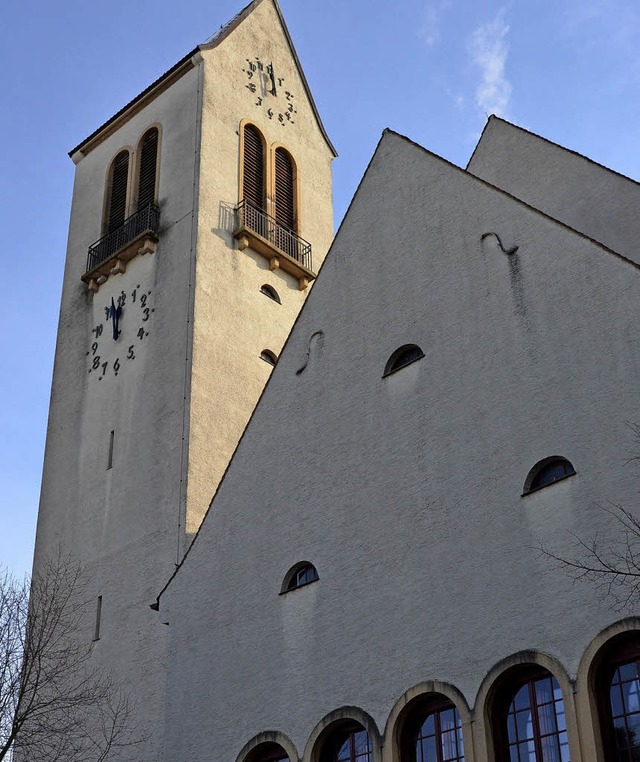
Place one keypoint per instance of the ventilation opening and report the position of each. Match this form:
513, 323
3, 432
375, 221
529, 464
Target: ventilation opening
270, 292
268, 356
403, 356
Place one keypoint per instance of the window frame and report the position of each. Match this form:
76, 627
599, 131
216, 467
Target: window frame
527, 675
289, 583
426, 706
391, 365
539, 467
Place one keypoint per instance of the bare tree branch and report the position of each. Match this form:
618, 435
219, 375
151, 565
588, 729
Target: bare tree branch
56, 702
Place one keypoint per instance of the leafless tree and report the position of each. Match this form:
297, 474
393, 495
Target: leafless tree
56, 703
612, 565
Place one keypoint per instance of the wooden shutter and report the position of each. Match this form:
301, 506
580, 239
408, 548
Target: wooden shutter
285, 203
117, 206
148, 161
253, 177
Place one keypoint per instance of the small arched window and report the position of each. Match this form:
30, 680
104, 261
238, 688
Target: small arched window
253, 167
147, 168
118, 179
529, 720
268, 752
547, 472
303, 573
618, 696
270, 292
268, 356
349, 743
404, 355
433, 732
285, 211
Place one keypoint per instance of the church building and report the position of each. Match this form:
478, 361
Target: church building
444, 406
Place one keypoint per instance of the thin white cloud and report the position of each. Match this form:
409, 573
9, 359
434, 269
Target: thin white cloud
429, 31
488, 49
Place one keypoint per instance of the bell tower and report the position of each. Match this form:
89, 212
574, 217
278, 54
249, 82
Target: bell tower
201, 213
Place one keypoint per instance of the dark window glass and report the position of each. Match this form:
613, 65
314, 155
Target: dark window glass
269, 752
300, 576
268, 356
354, 746
536, 724
270, 292
548, 472
439, 737
405, 355
624, 701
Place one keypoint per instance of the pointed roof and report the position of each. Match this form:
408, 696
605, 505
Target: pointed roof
184, 65
560, 182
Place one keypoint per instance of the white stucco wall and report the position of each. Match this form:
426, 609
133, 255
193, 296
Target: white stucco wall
405, 492
123, 524
575, 190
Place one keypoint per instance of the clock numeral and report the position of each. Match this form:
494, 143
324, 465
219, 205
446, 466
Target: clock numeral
97, 330
116, 366
104, 366
96, 362
122, 299
143, 300
94, 347
133, 294
131, 354
146, 314
141, 333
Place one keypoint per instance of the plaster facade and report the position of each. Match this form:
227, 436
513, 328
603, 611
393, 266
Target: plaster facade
405, 491
142, 427
570, 187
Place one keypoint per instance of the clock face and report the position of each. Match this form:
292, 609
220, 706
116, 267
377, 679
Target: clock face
270, 90
119, 336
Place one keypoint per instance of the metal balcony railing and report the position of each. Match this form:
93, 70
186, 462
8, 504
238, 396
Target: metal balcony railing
146, 220
252, 218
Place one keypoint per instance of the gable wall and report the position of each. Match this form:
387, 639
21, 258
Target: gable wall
405, 491
565, 185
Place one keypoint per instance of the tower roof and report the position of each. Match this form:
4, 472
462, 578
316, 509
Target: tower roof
185, 64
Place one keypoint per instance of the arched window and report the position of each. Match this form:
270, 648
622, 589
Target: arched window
285, 212
118, 178
268, 752
270, 292
433, 732
268, 356
547, 472
404, 355
529, 720
349, 743
618, 694
147, 167
253, 167
299, 575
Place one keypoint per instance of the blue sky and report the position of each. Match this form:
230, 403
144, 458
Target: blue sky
566, 69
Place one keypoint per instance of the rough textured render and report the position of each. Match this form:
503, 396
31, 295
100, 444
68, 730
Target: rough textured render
142, 427
405, 491
591, 198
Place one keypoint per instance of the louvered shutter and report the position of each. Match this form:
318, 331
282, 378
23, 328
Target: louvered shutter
117, 206
148, 161
285, 204
253, 179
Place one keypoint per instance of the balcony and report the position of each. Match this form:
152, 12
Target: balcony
110, 254
282, 247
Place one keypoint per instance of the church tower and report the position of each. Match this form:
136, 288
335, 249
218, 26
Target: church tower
201, 213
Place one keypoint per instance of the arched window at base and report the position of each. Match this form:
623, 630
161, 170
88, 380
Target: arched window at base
432, 732
528, 718
618, 697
